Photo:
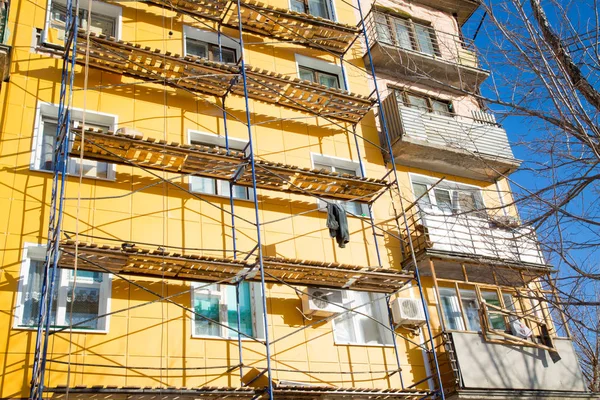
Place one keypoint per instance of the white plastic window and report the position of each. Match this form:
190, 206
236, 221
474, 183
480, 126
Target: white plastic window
79, 307
447, 197
219, 304
105, 18
214, 186
368, 325
45, 140
320, 71
344, 167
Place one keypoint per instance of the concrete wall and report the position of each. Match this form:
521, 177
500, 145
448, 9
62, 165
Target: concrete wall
495, 366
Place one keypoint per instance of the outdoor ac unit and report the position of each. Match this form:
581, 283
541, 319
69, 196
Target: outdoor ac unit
322, 302
408, 312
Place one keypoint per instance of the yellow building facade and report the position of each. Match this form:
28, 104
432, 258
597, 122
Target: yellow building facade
148, 199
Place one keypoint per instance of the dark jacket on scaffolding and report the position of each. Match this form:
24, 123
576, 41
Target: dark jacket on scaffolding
337, 222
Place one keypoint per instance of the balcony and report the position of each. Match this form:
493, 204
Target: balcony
471, 237
401, 47
475, 147
462, 8
475, 369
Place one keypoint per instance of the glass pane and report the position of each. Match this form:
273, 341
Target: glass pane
353, 207
402, 34
227, 55
196, 48
307, 74
330, 81
424, 39
466, 201
443, 199
383, 29
417, 102
246, 325
319, 8
202, 185
32, 294
496, 319
471, 309
85, 304
440, 107
58, 13
48, 143
420, 189
207, 305
344, 329
100, 23
297, 6
451, 308
86, 276
239, 192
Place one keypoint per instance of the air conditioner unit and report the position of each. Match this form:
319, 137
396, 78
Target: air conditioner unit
322, 302
408, 312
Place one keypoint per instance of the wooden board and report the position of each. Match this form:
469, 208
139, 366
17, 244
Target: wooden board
214, 162
217, 79
138, 261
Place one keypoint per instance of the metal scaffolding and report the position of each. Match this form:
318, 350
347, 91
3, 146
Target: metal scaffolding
342, 109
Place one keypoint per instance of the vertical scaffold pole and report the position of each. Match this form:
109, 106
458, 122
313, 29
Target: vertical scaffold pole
405, 220
255, 199
59, 159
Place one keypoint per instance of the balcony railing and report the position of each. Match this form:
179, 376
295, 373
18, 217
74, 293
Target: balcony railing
403, 46
471, 235
475, 145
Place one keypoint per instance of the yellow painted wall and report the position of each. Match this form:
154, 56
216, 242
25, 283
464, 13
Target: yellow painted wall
160, 335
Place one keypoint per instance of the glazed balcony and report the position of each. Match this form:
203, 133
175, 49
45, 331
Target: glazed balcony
469, 237
403, 48
475, 147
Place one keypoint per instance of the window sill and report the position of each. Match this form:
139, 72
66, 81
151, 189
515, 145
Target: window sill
112, 179
221, 196
244, 339
362, 344
34, 328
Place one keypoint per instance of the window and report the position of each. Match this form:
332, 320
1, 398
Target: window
89, 299
320, 71
448, 197
218, 302
317, 8
104, 19
218, 187
406, 34
45, 140
357, 327
210, 51
427, 104
321, 162
324, 78
205, 44
453, 316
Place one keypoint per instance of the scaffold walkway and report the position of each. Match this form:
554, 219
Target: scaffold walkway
279, 23
193, 267
134, 150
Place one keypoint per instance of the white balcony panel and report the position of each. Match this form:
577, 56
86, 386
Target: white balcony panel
479, 237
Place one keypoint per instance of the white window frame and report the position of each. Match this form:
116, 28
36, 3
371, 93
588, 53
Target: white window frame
209, 38
258, 325
98, 7
323, 66
210, 139
49, 110
380, 305
34, 251
450, 186
331, 4
334, 162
